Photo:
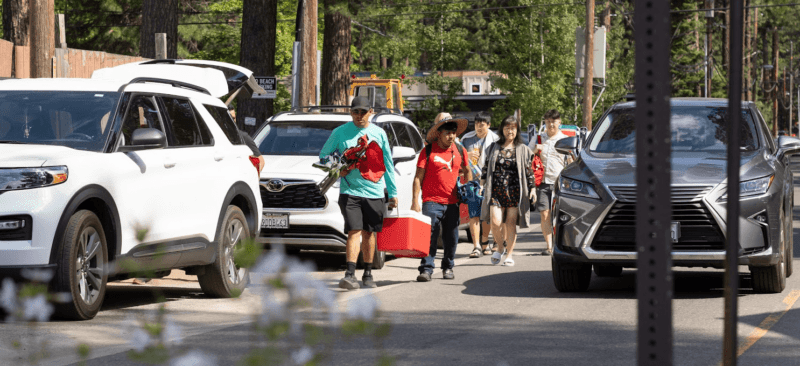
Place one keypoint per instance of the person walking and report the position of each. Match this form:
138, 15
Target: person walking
438, 169
553, 163
476, 143
508, 188
362, 197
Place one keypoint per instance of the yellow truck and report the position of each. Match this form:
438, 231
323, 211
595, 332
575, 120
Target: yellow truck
377, 90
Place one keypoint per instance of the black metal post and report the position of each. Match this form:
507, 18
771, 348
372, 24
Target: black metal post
653, 208
734, 122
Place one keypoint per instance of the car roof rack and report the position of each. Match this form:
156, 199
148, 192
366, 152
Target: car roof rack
174, 83
159, 61
319, 108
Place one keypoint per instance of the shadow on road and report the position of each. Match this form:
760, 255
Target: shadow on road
533, 284
122, 297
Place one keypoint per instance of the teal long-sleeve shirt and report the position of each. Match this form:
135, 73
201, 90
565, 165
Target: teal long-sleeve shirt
346, 136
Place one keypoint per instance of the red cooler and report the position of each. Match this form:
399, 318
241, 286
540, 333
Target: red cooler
406, 233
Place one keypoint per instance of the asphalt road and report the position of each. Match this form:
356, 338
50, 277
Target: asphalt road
488, 315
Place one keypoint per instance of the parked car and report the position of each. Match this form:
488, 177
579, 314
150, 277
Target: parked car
594, 213
88, 163
295, 213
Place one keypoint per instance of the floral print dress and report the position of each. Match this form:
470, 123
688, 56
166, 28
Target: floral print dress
505, 179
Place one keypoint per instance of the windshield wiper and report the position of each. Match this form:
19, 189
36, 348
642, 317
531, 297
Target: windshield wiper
11, 142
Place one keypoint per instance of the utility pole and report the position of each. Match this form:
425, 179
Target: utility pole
775, 80
309, 48
709, 48
791, 84
588, 75
746, 46
43, 38
755, 67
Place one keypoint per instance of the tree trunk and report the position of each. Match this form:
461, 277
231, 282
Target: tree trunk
158, 16
259, 19
309, 48
335, 57
43, 40
15, 22
748, 62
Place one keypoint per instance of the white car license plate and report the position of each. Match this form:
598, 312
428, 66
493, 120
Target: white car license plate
275, 221
675, 231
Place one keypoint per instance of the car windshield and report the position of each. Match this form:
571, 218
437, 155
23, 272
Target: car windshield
694, 128
295, 137
76, 119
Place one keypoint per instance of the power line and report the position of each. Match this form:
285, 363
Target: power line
469, 10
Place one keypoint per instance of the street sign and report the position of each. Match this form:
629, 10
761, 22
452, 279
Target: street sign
270, 84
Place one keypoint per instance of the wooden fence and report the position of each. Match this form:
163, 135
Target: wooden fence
67, 63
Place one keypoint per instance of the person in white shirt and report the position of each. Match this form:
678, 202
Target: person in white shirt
554, 163
476, 143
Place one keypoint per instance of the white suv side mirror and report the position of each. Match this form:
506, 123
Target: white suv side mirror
402, 154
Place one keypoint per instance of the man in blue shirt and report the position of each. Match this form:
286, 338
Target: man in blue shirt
362, 194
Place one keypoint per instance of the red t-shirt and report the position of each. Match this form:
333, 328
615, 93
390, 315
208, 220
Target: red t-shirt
439, 183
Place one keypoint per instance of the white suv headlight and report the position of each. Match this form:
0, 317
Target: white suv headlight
26, 178
753, 187
577, 188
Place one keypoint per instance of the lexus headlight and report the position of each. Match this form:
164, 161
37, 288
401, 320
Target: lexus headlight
577, 188
26, 178
753, 187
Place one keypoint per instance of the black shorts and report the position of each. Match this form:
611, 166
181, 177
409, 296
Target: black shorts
362, 213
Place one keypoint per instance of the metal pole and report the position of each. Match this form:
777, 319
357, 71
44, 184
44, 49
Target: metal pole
653, 208
296, 55
705, 68
730, 341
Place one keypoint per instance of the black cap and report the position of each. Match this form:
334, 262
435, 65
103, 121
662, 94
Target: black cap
360, 103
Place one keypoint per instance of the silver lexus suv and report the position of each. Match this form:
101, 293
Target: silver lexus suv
594, 216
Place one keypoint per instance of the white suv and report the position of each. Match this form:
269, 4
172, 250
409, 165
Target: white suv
295, 213
88, 163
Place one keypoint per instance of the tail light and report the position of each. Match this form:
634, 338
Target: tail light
256, 163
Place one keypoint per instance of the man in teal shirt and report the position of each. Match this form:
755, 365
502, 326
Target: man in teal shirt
362, 200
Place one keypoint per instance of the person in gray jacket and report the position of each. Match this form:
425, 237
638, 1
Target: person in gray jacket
508, 188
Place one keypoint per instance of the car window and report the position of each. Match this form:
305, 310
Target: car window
225, 122
294, 137
403, 135
416, 136
389, 133
693, 128
80, 120
184, 129
142, 113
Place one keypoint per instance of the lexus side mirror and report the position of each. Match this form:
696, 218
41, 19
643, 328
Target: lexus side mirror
788, 145
567, 146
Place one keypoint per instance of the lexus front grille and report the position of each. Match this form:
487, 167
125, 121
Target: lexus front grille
699, 230
680, 194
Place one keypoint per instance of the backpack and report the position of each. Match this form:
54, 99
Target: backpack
537, 166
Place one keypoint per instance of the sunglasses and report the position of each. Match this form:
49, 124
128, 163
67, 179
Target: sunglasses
358, 112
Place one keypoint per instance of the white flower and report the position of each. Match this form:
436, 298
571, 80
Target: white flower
271, 263
140, 340
362, 307
271, 309
171, 333
325, 296
503, 363
303, 355
37, 275
8, 295
37, 308
195, 358
298, 277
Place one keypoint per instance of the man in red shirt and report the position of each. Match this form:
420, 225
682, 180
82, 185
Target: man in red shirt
437, 176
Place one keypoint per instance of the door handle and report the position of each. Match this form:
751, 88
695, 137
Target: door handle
169, 164
219, 158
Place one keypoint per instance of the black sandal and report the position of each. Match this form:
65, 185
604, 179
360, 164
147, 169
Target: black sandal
476, 253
